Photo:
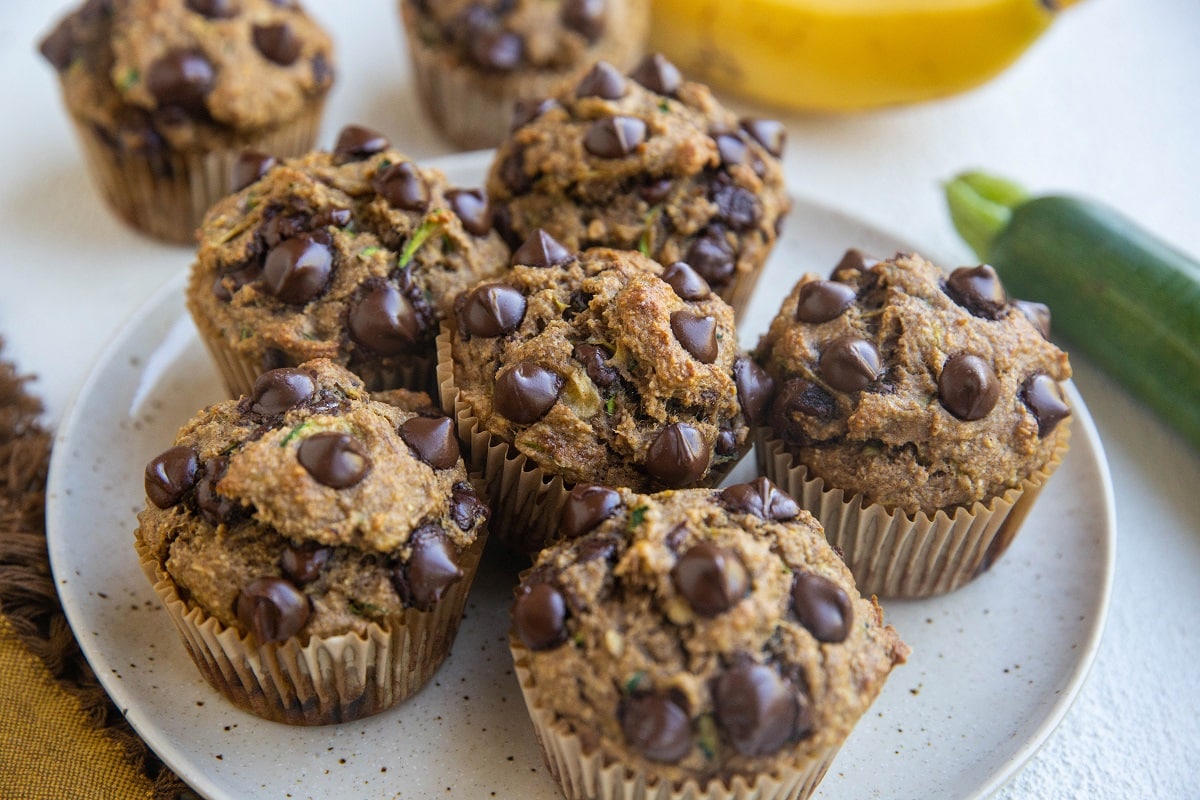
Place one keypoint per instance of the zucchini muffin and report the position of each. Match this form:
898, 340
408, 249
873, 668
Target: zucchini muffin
165, 94
314, 547
601, 367
475, 61
695, 644
646, 162
354, 255
917, 413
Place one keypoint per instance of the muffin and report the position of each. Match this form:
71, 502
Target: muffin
354, 255
916, 413
601, 367
648, 162
695, 644
475, 60
314, 547
165, 94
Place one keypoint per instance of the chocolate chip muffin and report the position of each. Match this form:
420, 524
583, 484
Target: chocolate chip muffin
918, 413
696, 643
648, 162
313, 546
599, 367
165, 94
475, 61
353, 255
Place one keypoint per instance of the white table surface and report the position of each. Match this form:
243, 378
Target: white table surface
1106, 104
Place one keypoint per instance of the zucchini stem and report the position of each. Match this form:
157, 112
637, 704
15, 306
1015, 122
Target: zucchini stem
981, 206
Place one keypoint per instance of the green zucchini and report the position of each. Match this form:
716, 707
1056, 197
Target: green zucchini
1117, 293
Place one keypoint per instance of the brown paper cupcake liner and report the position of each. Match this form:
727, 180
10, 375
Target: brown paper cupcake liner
586, 776
328, 680
894, 555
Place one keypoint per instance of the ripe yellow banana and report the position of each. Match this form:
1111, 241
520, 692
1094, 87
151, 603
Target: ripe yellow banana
844, 55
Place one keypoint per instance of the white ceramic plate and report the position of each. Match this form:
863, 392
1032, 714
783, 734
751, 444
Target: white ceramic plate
994, 667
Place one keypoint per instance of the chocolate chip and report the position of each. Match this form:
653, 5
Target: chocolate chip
249, 167
402, 186
383, 320
170, 474
272, 609
1036, 313
757, 708
322, 73
770, 133
731, 149
658, 74
496, 50
726, 444
712, 256
465, 506
614, 137
711, 578
471, 206
490, 309
279, 390
297, 270
678, 456
539, 616
513, 174
356, 142
334, 459
585, 17
797, 404
604, 81
657, 191
1043, 396
968, 387
822, 607
686, 282
656, 726
526, 111
215, 9
181, 78
303, 564
855, 260
586, 507
278, 43
696, 333
215, 507
59, 46
821, 301
761, 498
432, 568
595, 358
978, 290
541, 250
433, 440
525, 392
850, 363
737, 206
754, 388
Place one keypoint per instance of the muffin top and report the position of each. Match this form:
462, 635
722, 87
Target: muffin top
917, 389
353, 255
309, 509
648, 162
605, 366
182, 69
700, 633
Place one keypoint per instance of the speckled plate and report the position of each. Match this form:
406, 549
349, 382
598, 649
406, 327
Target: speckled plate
994, 667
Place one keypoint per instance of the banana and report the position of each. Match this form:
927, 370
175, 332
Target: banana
846, 55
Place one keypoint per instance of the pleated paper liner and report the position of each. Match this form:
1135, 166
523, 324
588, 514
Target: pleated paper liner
584, 775
327, 680
894, 555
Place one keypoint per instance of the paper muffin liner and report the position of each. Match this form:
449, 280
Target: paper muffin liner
328, 680
892, 554
584, 775
164, 193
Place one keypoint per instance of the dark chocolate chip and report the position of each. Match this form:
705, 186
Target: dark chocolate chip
797, 404
678, 456
278, 43
541, 250
471, 206
356, 142
595, 358
587, 506
656, 726
297, 270
490, 309
431, 569
181, 78
304, 564
696, 333
658, 74
822, 607
496, 50
585, 17
334, 459
433, 439
711, 578
978, 290
272, 609
726, 444
1043, 396
686, 282
757, 708
215, 507
465, 506
249, 167
712, 256
604, 81
1036, 313
614, 137
850, 363
539, 616
731, 149
821, 301
770, 133
59, 46
761, 498
322, 73
215, 9
170, 474
754, 388
513, 174
277, 391
402, 186
737, 206
383, 320
656, 191
525, 392
526, 111
968, 387
856, 260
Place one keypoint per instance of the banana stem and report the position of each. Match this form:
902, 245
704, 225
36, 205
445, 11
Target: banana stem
981, 206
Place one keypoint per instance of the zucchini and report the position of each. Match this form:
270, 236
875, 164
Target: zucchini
1120, 295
